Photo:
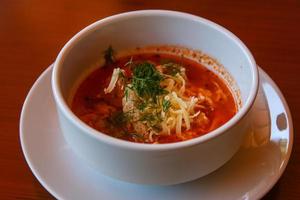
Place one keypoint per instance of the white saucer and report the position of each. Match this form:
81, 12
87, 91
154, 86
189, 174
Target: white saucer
250, 174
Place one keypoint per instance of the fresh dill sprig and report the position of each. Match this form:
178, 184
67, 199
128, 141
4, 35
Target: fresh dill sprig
151, 118
166, 104
141, 106
109, 55
146, 81
126, 92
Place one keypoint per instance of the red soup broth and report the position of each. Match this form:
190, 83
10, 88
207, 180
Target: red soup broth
95, 108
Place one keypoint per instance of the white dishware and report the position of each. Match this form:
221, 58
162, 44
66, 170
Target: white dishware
250, 174
161, 164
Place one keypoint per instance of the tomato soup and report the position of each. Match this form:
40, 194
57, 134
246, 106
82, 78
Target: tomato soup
153, 98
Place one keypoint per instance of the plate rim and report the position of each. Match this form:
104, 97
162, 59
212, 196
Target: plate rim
291, 133
47, 72
40, 78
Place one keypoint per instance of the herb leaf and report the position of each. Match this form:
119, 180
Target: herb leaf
141, 106
146, 81
151, 118
109, 55
166, 105
126, 92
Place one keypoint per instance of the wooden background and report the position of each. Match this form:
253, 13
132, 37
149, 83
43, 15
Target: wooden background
32, 32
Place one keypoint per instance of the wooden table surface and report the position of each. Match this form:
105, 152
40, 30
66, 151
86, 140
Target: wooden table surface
32, 32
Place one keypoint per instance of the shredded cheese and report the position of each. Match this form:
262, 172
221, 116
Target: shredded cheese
178, 124
179, 113
182, 88
113, 80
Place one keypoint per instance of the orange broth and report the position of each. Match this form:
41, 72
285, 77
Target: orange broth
94, 107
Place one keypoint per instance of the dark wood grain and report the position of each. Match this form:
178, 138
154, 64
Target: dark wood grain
32, 32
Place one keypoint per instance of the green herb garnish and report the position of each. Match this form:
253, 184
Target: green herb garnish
151, 118
126, 92
109, 55
148, 117
166, 105
146, 81
141, 106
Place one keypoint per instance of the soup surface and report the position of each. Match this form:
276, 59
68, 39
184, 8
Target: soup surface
153, 98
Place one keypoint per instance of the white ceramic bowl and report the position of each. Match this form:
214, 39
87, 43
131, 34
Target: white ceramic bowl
160, 164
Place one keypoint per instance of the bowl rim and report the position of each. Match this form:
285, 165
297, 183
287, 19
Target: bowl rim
101, 137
